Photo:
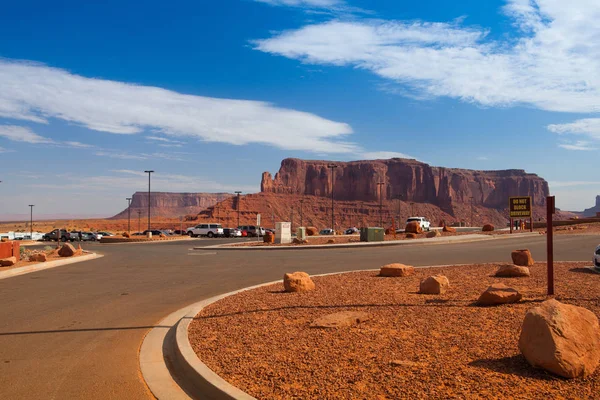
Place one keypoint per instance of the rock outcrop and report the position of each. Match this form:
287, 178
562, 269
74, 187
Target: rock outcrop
591, 212
171, 204
409, 180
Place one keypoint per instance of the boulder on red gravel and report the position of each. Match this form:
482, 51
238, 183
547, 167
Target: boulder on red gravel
411, 236
488, 228
561, 338
8, 262
396, 269
434, 234
66, 250
413, 227
512, 271
522, 257
448, 229
331, 241
312, 231
437, 284
340, 319
299, 241
298, 282
125, 234
38, 257
498, 293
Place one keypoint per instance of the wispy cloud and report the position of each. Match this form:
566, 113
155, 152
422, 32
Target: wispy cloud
572, 183
580, 145
78, 145
22, 134
382, 155
3, 150
123, 155
482, 158
35, 92
551, 65
587, 126
163, 139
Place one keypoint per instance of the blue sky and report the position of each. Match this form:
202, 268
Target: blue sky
211, 94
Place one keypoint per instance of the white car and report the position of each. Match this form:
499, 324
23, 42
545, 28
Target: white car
210, 230
597, 257
425, 225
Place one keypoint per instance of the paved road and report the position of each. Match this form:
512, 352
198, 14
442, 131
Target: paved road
74, 332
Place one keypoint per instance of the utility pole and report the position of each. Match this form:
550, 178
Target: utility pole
332, 167
128, 215
301, 210
399, 202
31, 221
149, 174
380, 184
139, 220
238, 206
472, 211
411, 209
292, 220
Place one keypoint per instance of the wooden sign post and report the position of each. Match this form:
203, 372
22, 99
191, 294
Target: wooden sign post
550, 209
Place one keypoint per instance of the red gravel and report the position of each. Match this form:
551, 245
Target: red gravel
414, 346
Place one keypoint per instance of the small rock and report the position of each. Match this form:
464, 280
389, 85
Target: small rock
396, 269
411, 236
434, 234
38, 257
498, 293
340, 319
561, 338
488, 228
8, 262
512, 271
448, 229
330, 241
298, 282
125, 234
437, 284
522, 258
312, 231
66, 250
413, 227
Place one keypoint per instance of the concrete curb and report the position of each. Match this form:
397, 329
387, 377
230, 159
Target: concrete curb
47, 265
428, 241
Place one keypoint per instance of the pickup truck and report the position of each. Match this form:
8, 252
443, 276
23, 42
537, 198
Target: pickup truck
60, 234
425, 225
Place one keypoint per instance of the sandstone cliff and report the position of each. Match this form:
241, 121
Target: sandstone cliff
171, 204
409, 180
591, 212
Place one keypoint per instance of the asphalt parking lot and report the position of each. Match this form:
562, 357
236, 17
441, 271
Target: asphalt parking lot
75, 331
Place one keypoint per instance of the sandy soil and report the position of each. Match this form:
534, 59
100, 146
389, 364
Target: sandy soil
414, 346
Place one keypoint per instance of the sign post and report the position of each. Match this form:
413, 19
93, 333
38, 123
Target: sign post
520, 207
550, 209
258, 226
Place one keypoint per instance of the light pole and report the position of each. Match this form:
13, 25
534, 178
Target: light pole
128, 215
301, 216
139, 220
399, 202
31, 221
332, 167
380, 184
292, 220
471, 211
149, 174
238, 206
411, 209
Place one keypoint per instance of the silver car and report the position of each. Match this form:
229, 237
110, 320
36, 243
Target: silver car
597, 257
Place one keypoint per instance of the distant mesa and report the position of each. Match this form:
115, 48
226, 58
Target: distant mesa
591, 212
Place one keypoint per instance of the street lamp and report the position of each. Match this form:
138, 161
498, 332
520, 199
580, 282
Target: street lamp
380, 184
332, 167
238, 206
30, 221
149, 174
139, 220
471, 211
411, 209
128, 215
301, 212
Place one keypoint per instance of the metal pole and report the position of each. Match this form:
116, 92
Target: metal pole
31, 221
139, 220
549, 243
380, 184
128, 214
238, 206
472, 211
301, 216
149, 174
332, 167
292, 220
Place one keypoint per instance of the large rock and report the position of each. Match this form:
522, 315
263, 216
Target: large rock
8, 261
512, 271
522, 258
488, 228
396, 269
433, 234
498, 293
437, 284
312, 231
449, 229
298, 282
411, 236
413, 227
66, 250
561, 338
38, 257
340, 319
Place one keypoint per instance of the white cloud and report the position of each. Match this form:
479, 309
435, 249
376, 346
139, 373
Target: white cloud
22, 134
304, 3
163, 139
78, 145
586, 126
170, 145
580, 145
38, 93
123, 155
553, 65
572, 183
383, 155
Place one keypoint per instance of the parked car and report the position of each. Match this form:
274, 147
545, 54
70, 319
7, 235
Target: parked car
87, 236
252, 230
103, 233
351, 231
137, 234
597, 257
179, 232
327, 231
155, 232
425, 225
209, 230
60, 235
231, 232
